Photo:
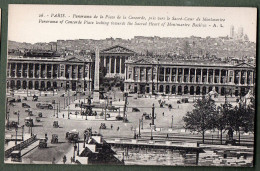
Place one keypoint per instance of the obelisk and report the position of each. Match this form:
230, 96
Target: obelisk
96, 78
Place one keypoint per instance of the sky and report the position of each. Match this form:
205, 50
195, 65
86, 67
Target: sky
26, 25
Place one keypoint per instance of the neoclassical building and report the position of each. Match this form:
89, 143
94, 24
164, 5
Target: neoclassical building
39, 71
147, 76
113, 60
45, 73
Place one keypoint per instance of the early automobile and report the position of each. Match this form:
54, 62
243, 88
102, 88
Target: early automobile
38, 119
44, 106
42, 143
102, 126
54, 139
119, 118
134, 109
27, 110
35, 98
40, 114
185, 100
28, 121
112, 108
12, 124
55, 124
16, 156
25, 105
72, 136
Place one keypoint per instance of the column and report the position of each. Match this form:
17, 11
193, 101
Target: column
164, 74
71, 71
15, 70
227, 79
182, 80
207, 76
115, 65
139, 74
220, 76
33, 70
120, 64
240, 77
110, 64
22, 70
52, 71
213, 76
27, 70
145, 74
177, 74
201, 75
133, 73
40, 70
77, 71
189, 76
10, 69
195, 75
246, 78
170, 74
46, 71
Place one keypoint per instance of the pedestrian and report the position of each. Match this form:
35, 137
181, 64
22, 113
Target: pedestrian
64, 159
111, 126
163, 114
117, 128
150, 124
63, 115
167, 136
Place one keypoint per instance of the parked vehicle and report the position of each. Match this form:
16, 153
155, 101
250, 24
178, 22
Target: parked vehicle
44, 106
72, 136
16, 156
38, 119
25, 105
185, 100
43, 143
119, 118
54, 138
112, 108
12, 124
35, 98
28, 121
134, 109
40, 114
102, 126
55, 124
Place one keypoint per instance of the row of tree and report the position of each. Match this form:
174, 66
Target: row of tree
207, 116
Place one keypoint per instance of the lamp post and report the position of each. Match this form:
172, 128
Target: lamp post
172, 122
16, 129
75, 148
18, 115
22, 132
151, 133
139, 127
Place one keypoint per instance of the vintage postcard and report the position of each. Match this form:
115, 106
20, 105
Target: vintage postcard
130, 85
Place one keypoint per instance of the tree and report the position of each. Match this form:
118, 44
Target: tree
221, 118
201, 118
241, 117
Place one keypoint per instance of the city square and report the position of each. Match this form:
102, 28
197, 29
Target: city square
128, 97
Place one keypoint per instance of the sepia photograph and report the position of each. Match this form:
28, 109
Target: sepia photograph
130, 85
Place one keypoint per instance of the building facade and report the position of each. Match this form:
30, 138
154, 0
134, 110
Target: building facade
188, 78
46, 73
113, 60
143, 75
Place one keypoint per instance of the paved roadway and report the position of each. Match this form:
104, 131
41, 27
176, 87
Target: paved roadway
125, 129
